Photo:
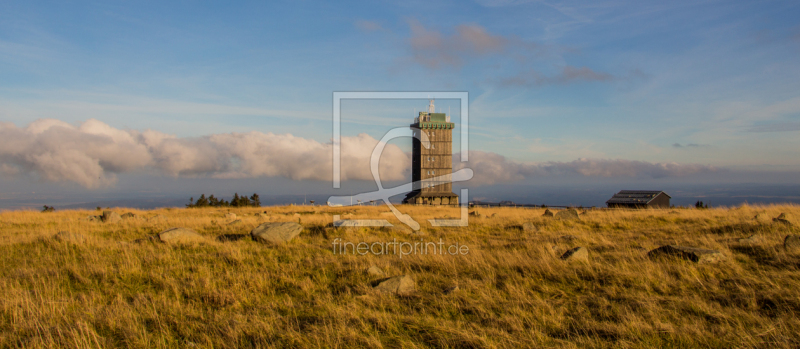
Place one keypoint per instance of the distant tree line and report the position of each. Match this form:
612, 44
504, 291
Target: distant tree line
237, 201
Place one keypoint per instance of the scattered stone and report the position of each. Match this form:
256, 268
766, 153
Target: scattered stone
235, 222
401, 285
451, 289
129, 215
157, 218
762, 218
231, 237
529, 227
349, 223
752, 239
110, 217
576, 254
570, 214
180, 235
230, 215
548, 213
147, 239
93, 218
475, 214
277, 232
784, 218
374, 271
66, 236
791, 243
694, 254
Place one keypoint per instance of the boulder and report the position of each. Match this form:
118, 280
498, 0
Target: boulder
277, 232
180, 235
66, 236
451, 289
570, 214
157, 218
129, 215
694, 254
791, 243
576, 254
401, 285
230, 215
374, 271
110, 217
784, 218
752, 239
548, 213
529, 227
762, 218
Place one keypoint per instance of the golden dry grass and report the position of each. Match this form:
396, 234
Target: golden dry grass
514, 291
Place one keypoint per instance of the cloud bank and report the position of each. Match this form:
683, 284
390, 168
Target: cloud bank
93, 153
491, 168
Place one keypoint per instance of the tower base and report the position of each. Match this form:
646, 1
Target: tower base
426, 198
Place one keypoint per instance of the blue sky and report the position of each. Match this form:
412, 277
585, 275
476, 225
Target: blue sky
697, 83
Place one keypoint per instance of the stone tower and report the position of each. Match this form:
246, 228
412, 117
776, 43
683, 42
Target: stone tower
435, 161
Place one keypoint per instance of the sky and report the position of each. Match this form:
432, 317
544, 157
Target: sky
105, 100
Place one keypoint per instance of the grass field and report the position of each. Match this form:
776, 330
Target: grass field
513, 290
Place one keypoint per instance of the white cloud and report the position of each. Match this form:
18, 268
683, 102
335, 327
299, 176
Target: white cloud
491, 168
93, 153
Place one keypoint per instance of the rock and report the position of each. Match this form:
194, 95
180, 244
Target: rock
752, 239
398, 285
374, 271
762, 218
93, 218
110, 217
231, 237
235, 222
147, 239
157, 218
784, 218
576, 254
451, 289
529, 227
350, 223
791, 243
66, 236
129, 215
277, 232
570, 214
475, 213
230, 215
180, 235
694, 254
548, 213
